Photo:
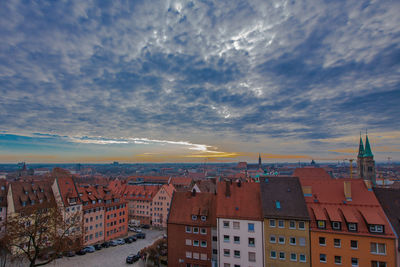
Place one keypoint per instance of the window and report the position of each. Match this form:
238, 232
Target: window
252, 242
272, 254
252, 256
214, 238
188, 242
293, 256
322, 241
196, 243
203, 244
302, 258
188, 254
215, 251
272, 223
203, 256
236, 254
236, 225
226, 224
227, 252
203, 231
354, 244
378, 264
338, 259
194, 217
376, 228
281, 240
226, 238
227, 265
292, 240
378, 248
282, 255
322, 257
336, 225
203, 218
302, 225
251, 227
337, 243
196, 255
281, 223
188, 229
272, 239
292, 225
352, 226
236, 239
195, 230
321, 224
354, 262
302, 241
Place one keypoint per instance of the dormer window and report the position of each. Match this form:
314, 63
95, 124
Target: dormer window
203, 218
40, 200
32, 202
194, 217
23, 203
26, 192
94, 202
41, 190
3, 187
321, 224
376, 228
336, 226
352, 227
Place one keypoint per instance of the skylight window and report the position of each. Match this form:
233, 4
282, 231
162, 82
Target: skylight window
278, 204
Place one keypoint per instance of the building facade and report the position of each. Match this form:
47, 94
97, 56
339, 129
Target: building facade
161, 205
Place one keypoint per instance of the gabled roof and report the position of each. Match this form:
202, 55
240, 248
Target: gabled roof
169, 189
305, 173
186, 204
34, 194
240, 200
141, 192
181, 181
68, 190
282, 197
327, 201
208, 185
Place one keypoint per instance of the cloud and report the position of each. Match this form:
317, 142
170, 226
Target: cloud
207, 72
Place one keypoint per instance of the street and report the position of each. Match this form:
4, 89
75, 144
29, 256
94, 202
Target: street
108, 257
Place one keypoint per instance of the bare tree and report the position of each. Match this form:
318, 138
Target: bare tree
39, 230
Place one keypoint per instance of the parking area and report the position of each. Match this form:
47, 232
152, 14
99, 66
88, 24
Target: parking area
107, 257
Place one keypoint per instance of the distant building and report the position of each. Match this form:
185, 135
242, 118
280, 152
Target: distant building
365, 162
161, 205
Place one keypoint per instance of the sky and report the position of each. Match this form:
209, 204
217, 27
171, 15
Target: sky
198, 81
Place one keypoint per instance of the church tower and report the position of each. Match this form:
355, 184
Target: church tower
259, 162
366, 162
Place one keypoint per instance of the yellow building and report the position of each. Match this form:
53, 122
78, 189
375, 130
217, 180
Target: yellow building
286, 222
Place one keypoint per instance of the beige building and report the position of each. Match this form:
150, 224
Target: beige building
161, 205
286, 222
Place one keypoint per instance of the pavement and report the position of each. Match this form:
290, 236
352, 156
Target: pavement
111, 256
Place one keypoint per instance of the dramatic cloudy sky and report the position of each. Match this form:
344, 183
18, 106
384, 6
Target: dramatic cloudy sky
165, 81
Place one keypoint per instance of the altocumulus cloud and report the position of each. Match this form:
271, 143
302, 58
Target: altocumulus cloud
199, 70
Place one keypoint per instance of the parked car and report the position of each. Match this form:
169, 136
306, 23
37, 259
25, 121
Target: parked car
113, 243
120, 241
132, 229
133, 238
89, 249
138, 230
80, 252
69, 253
132, 258
146, 226
105, 244
128, 240
141, 235
97, 247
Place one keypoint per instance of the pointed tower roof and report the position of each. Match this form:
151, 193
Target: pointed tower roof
361, 149
367, 152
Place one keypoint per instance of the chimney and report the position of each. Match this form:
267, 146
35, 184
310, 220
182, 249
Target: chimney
227, 189
347, 190
307, 191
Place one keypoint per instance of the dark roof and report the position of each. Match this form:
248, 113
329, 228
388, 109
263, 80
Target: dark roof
390, 201
282, 197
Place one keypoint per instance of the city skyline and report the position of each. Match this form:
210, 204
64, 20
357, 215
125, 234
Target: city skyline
215, 81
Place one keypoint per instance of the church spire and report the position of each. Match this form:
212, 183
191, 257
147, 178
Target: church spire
367, 152
259, 161
361, 148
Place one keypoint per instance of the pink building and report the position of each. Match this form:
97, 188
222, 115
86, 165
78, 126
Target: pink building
139, 198
93, 215
161, 205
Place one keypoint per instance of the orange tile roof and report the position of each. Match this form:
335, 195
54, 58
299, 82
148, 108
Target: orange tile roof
328, 202
37, 191
141, 192
67, 189
303, 173
185, 181
239, 200
186, 204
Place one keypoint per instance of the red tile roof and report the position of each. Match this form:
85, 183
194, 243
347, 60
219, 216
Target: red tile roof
328, 202
239, 200
186, 204
305, 173
68, 190
35, 193
141, 192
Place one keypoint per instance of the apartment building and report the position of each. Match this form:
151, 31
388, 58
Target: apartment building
115, 214
3, 205
239, 224
140, 200
161, 205
390, 202
190, 227
286, 222
93, 215
348, 226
